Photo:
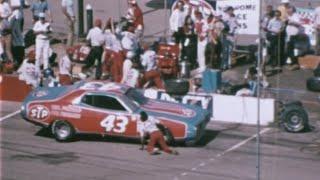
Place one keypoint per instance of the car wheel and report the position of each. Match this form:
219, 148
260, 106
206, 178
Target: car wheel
294, 118
63, 131
168, 136
313, 84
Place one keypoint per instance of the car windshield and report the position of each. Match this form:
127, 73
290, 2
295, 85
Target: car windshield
136, 96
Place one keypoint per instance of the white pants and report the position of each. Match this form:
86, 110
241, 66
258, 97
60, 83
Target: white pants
42, 49
201, 54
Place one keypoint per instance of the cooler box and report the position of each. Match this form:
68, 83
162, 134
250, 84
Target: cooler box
211, 80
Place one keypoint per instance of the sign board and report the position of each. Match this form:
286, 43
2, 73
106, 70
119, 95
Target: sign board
306, 16
247, 13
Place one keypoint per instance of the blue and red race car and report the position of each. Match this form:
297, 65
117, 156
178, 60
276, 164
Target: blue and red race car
110, 109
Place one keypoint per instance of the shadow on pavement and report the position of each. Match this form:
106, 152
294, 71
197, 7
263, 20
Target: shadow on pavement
208, 136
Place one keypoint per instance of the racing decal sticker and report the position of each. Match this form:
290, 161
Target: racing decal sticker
39, 112
169, 108
68, 111
40, 93
116, 124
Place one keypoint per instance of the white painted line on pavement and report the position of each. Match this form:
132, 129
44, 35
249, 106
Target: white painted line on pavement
9, 115
245, 141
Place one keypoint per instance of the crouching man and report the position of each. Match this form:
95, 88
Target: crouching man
148, 126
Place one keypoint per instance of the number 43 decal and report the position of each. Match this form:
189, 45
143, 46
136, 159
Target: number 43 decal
117, 124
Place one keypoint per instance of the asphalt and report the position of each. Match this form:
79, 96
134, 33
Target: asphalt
228, 151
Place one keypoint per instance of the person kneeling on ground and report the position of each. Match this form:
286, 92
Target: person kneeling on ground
149, 126
29, 72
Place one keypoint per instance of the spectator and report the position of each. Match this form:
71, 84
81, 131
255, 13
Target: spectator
189, 48
148, 126
274, 30
40, 6
317, 27
17, 7
65, 67
16, 22
293, 29
202, 32
29, 72
5, 30
136, 16
177, 19
42, 30
129, 40
96, 40
127, 65
283, 9
267, 17
68, 11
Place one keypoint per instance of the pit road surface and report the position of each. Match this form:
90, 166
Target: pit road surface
227, 152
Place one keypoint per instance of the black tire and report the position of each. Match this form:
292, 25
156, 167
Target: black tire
313, 84
294, 118
316, 72
177, 86
62, 131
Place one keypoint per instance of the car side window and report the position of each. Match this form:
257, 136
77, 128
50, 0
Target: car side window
101, 101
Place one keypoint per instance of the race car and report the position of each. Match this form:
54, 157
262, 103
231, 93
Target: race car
109, 109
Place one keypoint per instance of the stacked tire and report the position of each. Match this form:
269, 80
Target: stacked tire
313, 83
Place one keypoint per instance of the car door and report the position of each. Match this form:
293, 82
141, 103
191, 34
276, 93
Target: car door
107, 114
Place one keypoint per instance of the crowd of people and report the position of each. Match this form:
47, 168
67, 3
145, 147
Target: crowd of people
118, 53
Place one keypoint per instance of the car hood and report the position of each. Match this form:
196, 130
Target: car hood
182, 112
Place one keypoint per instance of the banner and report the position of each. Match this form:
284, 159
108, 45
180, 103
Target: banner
306, 16
247, 13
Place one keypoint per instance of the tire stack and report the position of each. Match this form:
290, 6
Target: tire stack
313, 83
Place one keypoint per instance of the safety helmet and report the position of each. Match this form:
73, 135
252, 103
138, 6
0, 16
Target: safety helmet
130, 54
48, 73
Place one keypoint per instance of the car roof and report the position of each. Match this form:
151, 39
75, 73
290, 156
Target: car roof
103, 86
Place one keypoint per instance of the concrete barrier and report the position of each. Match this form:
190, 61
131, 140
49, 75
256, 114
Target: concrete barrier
13, 89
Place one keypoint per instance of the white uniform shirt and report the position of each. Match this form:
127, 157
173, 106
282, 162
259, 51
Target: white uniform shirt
30, 73
129, 41
5, 10
39, 26
111, 41
317, 17
293, 30
177, 19
68, 4
149, 126
16, 12
275, 25
65, 65
96, 37
148, 60
127, 65
132, 78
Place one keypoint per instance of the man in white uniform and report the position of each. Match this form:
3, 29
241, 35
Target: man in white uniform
202, 32
68, 11
176, 21
130, 40
96, 39
127, 65
42, 29
65, 67
149, 126
29, 72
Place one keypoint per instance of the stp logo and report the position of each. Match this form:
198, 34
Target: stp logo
39, 112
